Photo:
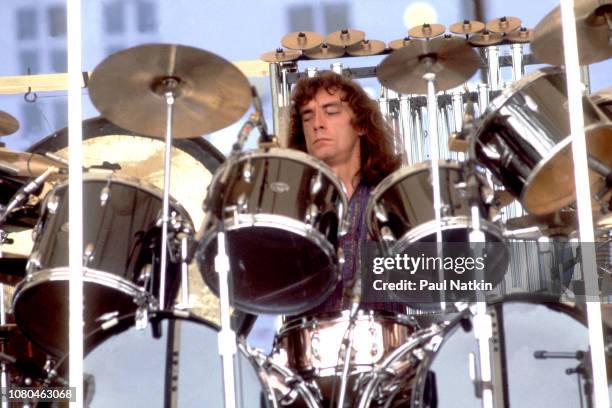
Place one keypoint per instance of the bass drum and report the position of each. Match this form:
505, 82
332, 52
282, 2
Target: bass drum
142, 157
442, 377
175, 362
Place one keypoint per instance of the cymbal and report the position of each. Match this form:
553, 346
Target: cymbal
502, 198
427, 31
281, 55
522, 35
8, 124
25, 164
400, 43
503, 24
324, 52
467, 27
451, 59
486, 38
591, 30
128, 88
345, 37
366, 47
302, 40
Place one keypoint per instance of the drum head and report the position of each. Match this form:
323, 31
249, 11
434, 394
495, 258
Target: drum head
141, 368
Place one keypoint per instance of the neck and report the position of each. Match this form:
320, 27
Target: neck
347, 172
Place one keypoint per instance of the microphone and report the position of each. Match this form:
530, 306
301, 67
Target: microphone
25, 191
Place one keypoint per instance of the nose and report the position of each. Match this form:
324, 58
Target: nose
319, 120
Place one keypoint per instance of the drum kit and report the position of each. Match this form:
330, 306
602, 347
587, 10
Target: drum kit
269, 227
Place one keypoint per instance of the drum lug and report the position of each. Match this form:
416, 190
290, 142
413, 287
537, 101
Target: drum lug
311, 214
316, 183
315, 342
381, 212
145, 276
387, 235
344, 227
105, 194
88, 254
341, 259
242, 203
52, 204
247, 172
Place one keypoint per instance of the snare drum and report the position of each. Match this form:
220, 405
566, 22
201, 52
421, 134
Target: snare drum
175, 362
121, 240
281, 210
312, 346
437, 373
525, 140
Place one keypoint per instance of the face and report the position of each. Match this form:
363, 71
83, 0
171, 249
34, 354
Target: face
330, 135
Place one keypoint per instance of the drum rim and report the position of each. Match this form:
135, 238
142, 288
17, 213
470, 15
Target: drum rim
99, 126
126, 180
292, 155
394, 178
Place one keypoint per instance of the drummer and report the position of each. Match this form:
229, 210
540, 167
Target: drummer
334, 120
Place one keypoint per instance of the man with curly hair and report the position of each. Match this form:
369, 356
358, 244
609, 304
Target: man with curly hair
334, 120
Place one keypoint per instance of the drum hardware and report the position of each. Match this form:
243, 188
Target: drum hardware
582, 370
427, 31
486, 38
593, 22
366, 48
503, 25
467, 27
337, 68
280, 55
8, 124
303, 40
344, 38
324, 51
401, 43
493, 68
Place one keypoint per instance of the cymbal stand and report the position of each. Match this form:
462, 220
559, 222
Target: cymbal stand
215, 197
168, 87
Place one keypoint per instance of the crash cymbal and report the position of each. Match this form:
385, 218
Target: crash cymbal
366, 47
427, 31
504, 25
345, 37
128, 88
401, 43
486, 38
325, 52
502, 198
522, 35
302, 40
591, 30
532, 227
8, 124
467, 27
24, 164
281, 55
451, 59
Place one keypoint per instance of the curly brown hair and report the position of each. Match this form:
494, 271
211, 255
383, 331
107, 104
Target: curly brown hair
377, 157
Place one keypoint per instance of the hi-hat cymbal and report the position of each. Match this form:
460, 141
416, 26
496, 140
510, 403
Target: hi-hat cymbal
302, 40
467, 27
8, 124
486, 38
522, 35
281, 55
128, 88
427, 31
451, 59
366, 47
591, 30
345, 38
324, 52
400, 43
504, 25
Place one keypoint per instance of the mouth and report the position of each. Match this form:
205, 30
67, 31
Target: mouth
320, 140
